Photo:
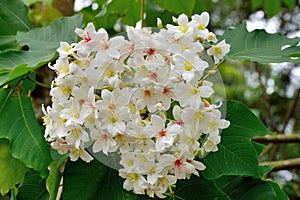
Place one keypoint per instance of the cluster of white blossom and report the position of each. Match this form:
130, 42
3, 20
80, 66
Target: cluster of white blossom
144, 97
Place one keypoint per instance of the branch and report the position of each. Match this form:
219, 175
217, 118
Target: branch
291, 111
265, 97
293, 163
279, 138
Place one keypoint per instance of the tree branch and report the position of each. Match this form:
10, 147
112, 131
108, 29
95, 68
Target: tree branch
279, 138
282, 164
266, 99
291, 111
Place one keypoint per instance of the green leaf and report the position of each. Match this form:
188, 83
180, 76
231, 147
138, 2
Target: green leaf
177, 6
33, 187
53, 180
290, 3
260, 46
12, 171
93, 181
255, 4
19, 125
42, 44
237, 154
248, 188
126, 10
227, 187
13, 18
206, 189
272, 7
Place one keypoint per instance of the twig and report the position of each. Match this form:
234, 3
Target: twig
291, 111
266, 99
279, 138
293, 163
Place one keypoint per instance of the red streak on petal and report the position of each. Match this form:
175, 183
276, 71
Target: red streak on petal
180, 123
86, 38
162, 132
147, 93
178, 164
151, 52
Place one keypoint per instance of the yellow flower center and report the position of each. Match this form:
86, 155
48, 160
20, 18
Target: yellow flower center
133, 177
198, 116
110, 72
66, 90
183, 28
188, 66
218, 50
201, 26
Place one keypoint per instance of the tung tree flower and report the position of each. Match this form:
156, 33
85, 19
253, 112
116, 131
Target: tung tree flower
144, 98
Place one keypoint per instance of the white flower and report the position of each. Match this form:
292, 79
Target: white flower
164, 135
65, 49
76, 153
135, 182
199, 24
187, 64
219, 51
211, 143
183, 27
103, 142
190, 95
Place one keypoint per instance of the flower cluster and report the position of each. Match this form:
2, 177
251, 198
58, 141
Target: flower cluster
144, 97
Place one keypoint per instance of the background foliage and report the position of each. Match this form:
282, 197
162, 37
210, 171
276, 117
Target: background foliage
29, 169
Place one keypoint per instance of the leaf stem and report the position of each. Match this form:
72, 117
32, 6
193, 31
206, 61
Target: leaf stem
142, 12
212, 71
38, 83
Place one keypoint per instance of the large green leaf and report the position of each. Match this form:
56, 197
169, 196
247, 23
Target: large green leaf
13, 18
177, 6
261, 46
33, 187
206, 190
19, 125
12, 171
228, 187
126, 10
42, 44
248, 188
93, 181
237, 154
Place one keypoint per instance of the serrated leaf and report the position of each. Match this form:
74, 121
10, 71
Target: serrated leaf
12, 171
260, 46
237, 154
177, 6
33, 187
42, 43
93, 181
13, 18
19, 125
